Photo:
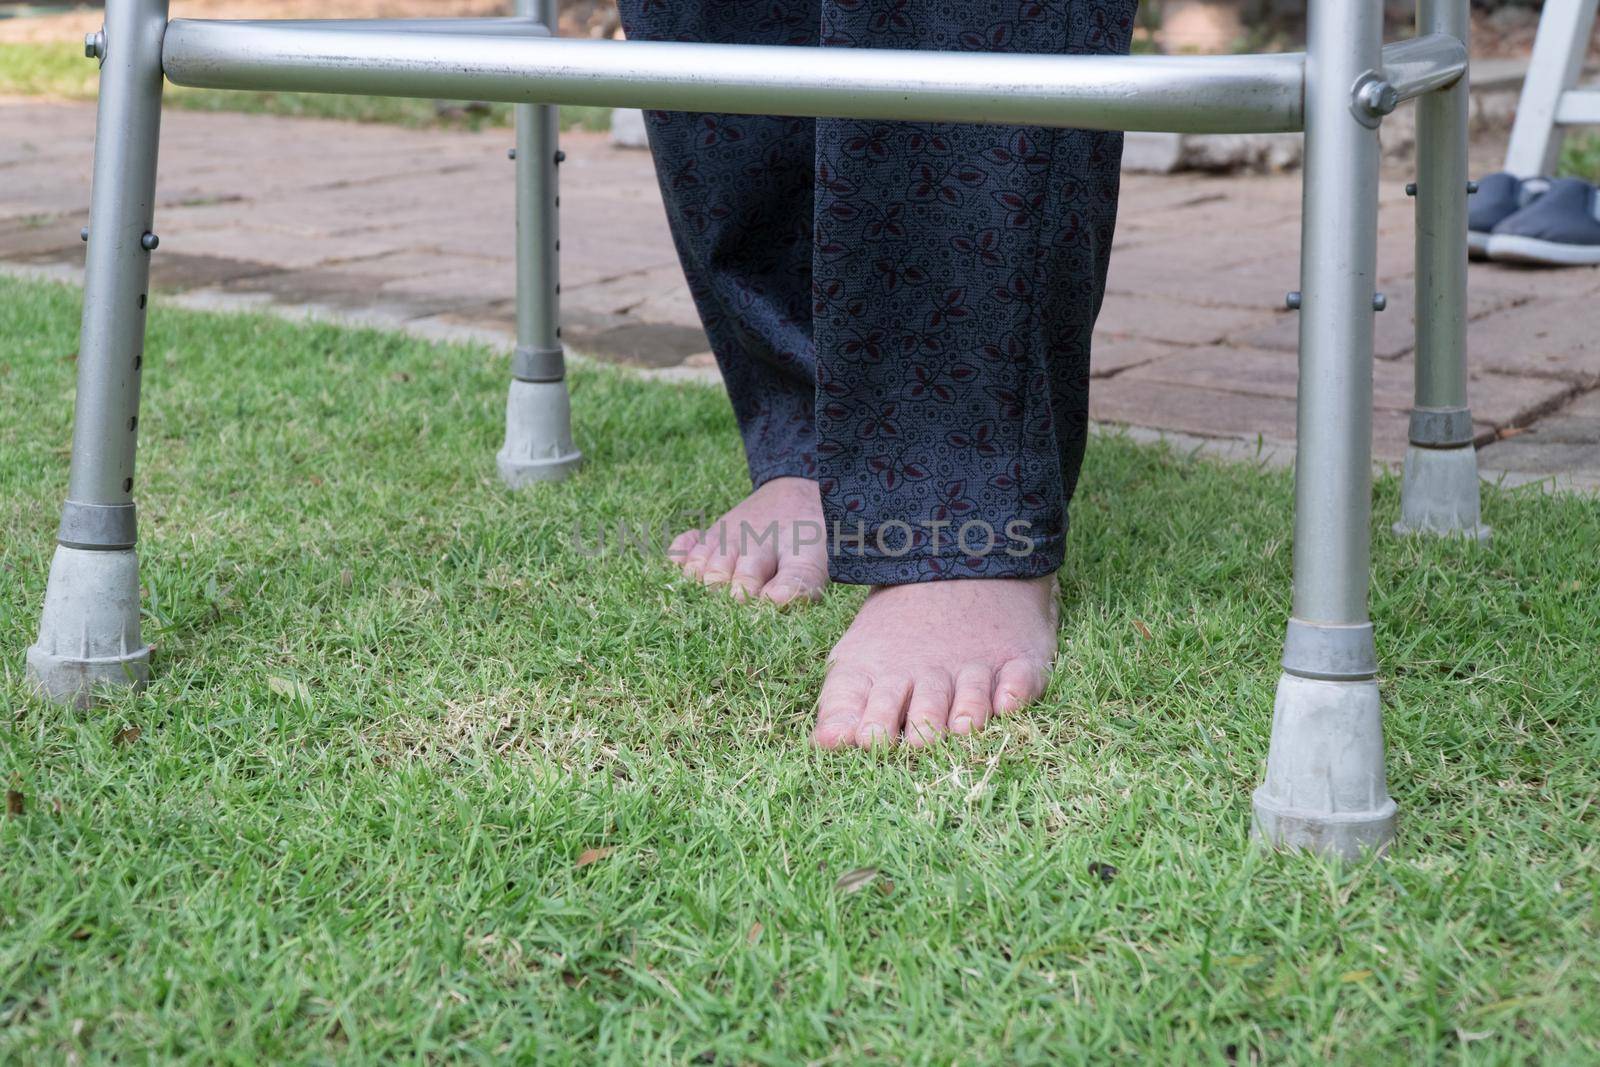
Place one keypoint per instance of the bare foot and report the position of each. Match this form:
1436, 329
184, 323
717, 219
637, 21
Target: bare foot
771, 546
924, 660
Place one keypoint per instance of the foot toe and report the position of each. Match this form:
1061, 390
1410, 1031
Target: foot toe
694, 564
719, 568
972, 703
1019, 682
751, 575
797, 579
885, 711
928, 715
839, 707
678, 551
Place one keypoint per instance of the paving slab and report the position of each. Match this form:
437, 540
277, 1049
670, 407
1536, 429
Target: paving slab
1205, 412
414, 229
1225, 372
1542, 338
1163, 318
1113, 355
1561, 444
1394, 329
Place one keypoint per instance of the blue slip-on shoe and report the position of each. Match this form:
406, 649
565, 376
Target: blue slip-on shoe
1499, 196
1559, 229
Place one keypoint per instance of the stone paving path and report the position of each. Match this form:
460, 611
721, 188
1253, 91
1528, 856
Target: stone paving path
413, 228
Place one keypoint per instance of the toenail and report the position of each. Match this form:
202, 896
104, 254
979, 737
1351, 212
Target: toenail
961, 724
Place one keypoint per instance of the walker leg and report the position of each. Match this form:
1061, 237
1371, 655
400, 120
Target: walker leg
89, 631
1439, 494
1325, 788
538, 446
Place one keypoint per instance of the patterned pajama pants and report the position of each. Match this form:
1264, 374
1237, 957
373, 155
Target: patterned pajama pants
901, 311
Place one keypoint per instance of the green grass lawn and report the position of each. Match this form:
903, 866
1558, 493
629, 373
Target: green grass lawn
416, 779
60, 71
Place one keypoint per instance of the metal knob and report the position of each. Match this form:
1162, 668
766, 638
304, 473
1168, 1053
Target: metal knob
1379, 97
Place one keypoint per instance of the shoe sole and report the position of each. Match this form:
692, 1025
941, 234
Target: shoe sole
1510, 248
1477, 244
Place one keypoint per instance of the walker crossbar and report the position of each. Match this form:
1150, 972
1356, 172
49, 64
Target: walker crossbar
446, 58
1325, 786
1424, 64
1233, 94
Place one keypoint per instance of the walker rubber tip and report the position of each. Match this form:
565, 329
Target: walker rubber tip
1439, 494
538, 445
89, 639
1325, 790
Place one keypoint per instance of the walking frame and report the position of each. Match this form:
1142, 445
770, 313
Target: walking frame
1325, 787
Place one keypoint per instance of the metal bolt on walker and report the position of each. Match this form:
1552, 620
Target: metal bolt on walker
1324, 787
1411, 188
1373, 98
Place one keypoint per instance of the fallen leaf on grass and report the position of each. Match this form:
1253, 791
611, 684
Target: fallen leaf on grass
1106, 872
126, 736
855, 881
15, 803
288, 687
754, 934
1144, 631
593, 855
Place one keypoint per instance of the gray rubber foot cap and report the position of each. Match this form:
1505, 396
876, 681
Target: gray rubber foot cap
89, 638
538, 446
1325, 789
1439, 494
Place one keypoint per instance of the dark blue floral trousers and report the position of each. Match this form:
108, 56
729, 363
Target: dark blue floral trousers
901, 311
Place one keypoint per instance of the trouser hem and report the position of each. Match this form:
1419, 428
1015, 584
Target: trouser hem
1044, 556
